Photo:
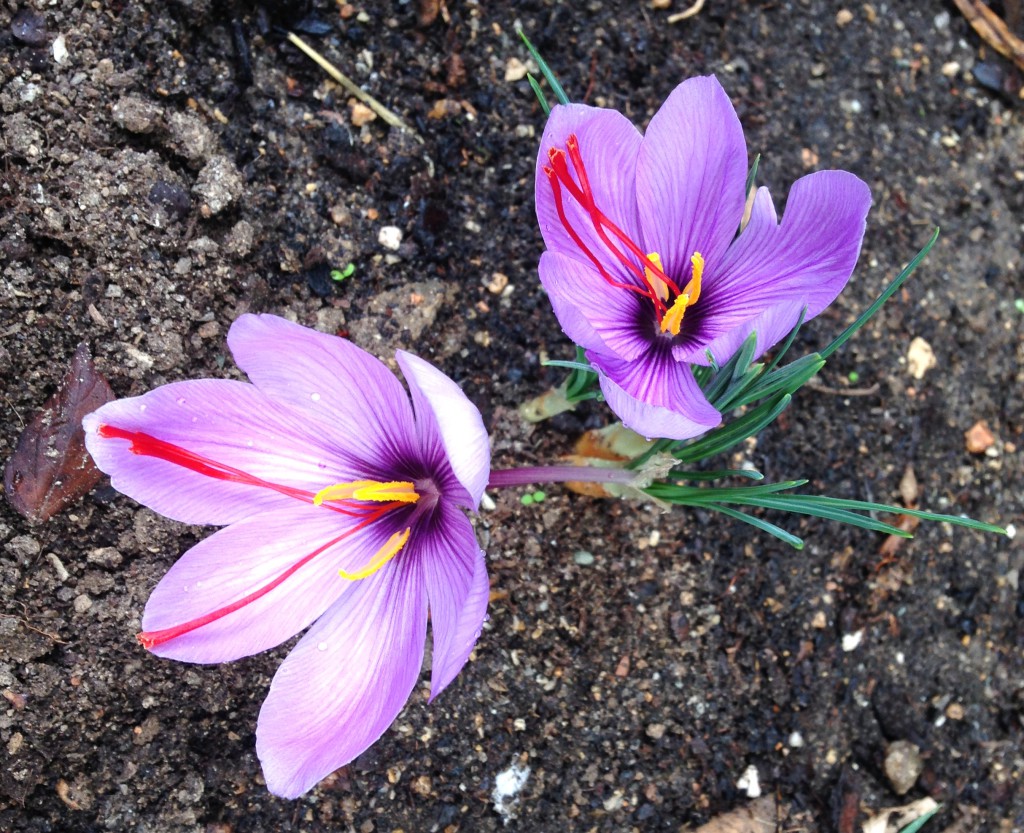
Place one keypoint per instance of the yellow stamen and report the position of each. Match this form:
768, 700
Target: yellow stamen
395, 490
390, 549
657, 284
672, 320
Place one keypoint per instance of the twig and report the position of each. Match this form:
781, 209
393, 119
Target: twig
992, 30
690, 12
819, 388
346, 82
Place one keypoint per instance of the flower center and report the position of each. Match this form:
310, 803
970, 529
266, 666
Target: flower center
654, 284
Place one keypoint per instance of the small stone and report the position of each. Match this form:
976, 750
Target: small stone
819, 621
583, 558
851, 641
496, 285
978, 438
360, 114
390, 237
920, 358
23, 547
903, 765
750, 782
843, 17
515, 70
955, 711
951, 69
340, 215
656, 731
82, 603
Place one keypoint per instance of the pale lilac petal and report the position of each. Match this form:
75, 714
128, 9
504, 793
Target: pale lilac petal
240, 560
328, 377
346, 681
608, 145
593, 314
690, 173
442, 410
656, 397
771, 326
457, 589
805, 260
228, 422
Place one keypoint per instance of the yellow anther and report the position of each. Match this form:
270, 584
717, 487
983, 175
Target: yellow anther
390, 549
657, 284
394, 490
672, 320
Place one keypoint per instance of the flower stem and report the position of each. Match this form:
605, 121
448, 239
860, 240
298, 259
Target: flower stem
504, 478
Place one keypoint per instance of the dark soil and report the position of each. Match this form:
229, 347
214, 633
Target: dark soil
184, 164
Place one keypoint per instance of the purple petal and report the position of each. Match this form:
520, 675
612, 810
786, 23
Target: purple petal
608, 145
804, 261
656, 396
442, 410
307, 544
593, 314
690, 174
330, 377
346, 680
230, 423
457, 589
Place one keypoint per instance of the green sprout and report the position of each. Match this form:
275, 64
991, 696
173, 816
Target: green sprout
532, 498
340, 274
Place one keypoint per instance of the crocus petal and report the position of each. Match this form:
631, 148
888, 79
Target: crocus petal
656, 396
593, 314
304, 545
329, 377
805, 260
442, 410
230, 423
771, 326
457, 589
690, 173
346, 680
608, 145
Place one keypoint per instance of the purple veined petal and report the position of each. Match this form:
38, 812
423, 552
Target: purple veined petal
608, 146
329, 376
689, 176
455, 573
443, 410
656, 396
805, 260
285, 561
226, 422
346, 681
593, 314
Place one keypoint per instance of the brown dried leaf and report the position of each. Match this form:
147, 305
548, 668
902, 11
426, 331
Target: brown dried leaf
760, 816
50, 468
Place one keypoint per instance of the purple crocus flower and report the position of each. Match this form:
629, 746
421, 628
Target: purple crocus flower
643, 264
342, 507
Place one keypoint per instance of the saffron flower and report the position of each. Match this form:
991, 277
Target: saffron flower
342, 507
643, 264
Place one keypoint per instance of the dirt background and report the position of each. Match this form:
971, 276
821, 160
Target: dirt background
183, 164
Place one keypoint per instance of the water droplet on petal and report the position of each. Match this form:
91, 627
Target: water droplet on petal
181, 400
315, 397
184, 589
321, 646
195, 419
142, 407
248, 443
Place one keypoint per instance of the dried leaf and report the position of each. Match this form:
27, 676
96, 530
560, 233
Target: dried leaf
50, 468
761, 816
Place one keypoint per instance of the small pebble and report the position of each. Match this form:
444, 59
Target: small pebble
843, 17
920, 358
978, 438
903, 765
583, 558
390, 237
360, 114
515, 70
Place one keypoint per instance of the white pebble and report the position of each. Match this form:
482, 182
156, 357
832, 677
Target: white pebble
390, 237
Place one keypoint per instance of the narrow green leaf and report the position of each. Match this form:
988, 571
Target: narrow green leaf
545, 70
719, 474
537, 91
920, 821
724, 438
762, 524
788, 342
890, 290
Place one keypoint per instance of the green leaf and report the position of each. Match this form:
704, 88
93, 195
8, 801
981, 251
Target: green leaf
762, 524
537, 91
724, 438
889, 291
545, 70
